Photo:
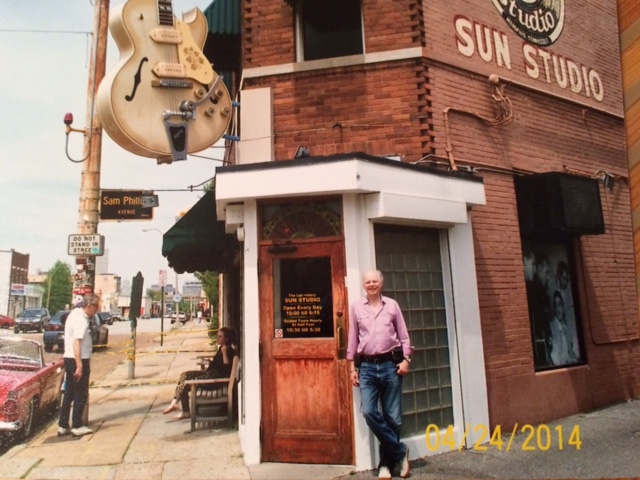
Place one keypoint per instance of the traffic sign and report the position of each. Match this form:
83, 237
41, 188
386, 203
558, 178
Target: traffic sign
163, 278
80, 244
177, 297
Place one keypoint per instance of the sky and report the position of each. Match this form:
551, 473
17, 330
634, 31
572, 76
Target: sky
44, 74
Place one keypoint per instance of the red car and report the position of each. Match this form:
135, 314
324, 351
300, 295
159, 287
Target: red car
28, 385
6, 322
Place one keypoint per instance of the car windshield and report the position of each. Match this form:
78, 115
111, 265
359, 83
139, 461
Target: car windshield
19, 353
34, 312
60, 317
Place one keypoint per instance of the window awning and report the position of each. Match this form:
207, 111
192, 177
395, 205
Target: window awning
198, 242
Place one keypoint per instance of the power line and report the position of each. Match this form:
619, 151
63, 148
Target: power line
64, 32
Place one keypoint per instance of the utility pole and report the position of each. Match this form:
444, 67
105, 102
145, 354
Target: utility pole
88, 212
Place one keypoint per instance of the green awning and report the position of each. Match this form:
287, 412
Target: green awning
223, 17
198, 242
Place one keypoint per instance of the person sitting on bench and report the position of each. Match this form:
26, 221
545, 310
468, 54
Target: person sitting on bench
219, 367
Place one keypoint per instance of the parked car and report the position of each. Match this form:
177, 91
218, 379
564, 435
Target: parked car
28, 385
7, 322
99, 333
106, 318
32, 319
182, 316
54, 332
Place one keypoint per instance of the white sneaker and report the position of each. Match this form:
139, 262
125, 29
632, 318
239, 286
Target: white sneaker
63, 431
405, 468
78, 432
384, 473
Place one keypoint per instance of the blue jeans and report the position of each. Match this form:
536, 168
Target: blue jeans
76, 392
380, 383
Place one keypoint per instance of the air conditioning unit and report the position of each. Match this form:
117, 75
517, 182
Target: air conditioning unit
560, 204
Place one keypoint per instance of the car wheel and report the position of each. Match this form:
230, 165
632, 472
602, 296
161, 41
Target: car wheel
16, 330
40, 328
48, 348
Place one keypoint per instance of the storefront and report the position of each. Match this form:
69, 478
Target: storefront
309, 229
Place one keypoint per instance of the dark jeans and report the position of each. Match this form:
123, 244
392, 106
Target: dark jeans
76, 392
381, 406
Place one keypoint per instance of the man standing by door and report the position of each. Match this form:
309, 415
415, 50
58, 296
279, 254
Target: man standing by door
378, 335
78, 347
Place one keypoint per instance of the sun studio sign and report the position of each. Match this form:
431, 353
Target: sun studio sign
537, 21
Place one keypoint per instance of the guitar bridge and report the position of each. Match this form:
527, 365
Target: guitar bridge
171, 83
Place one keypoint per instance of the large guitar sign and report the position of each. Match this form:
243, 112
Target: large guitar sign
163, 99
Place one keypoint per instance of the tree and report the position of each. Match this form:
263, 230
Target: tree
154, 295
210, 286
58, 287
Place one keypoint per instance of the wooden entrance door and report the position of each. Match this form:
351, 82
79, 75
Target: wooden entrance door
306, 395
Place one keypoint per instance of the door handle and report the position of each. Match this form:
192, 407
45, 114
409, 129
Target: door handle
342, 337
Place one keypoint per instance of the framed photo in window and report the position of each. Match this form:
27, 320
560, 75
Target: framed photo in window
555, 319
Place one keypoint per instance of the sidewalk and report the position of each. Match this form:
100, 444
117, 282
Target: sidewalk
133, 440
610, 448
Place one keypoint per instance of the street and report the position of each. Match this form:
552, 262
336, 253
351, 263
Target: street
104, 360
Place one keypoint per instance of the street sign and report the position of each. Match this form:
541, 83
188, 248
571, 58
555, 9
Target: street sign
124, 205
177, 297
163, 278
192, 289
80, 244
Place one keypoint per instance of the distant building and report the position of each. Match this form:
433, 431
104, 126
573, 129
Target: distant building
107, 287
15, 294
102, 263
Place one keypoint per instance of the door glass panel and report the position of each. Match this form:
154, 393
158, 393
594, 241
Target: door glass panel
303, 298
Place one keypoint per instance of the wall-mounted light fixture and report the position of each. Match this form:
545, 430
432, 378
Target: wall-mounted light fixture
608, 180
302, 152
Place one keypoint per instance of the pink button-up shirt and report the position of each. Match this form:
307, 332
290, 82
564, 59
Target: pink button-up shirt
376, 334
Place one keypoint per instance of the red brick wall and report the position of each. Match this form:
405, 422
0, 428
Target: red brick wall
374, 109
589, 39
629, 15
397, 108
269, 36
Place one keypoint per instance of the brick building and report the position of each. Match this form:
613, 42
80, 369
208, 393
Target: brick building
474, 151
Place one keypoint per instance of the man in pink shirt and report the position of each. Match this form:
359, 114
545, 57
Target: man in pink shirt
377, 329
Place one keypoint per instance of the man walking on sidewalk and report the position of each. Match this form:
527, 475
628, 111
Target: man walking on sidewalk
378, 334
78, 347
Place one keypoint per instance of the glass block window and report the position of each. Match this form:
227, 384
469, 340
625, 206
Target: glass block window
410, 260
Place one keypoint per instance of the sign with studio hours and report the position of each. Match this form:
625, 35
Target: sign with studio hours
305, 315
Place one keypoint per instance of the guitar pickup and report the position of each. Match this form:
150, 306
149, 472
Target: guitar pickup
171, 83
173, 70
166, 35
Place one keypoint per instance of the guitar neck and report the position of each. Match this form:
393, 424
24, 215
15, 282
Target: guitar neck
165, 13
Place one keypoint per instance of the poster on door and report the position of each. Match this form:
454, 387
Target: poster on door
304, 305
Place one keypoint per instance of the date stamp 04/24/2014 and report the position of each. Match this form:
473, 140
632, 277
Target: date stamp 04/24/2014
536, 437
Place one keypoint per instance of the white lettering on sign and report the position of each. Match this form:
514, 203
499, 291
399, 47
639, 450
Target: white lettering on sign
492, 46
85, 245
563, 72
489, 43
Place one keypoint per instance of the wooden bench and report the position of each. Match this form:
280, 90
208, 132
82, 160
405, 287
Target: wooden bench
204, 360
211, 400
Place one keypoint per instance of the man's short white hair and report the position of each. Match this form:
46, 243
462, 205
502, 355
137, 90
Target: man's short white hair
377, 272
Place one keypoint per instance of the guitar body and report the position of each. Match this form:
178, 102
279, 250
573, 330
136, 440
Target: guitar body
161, 66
